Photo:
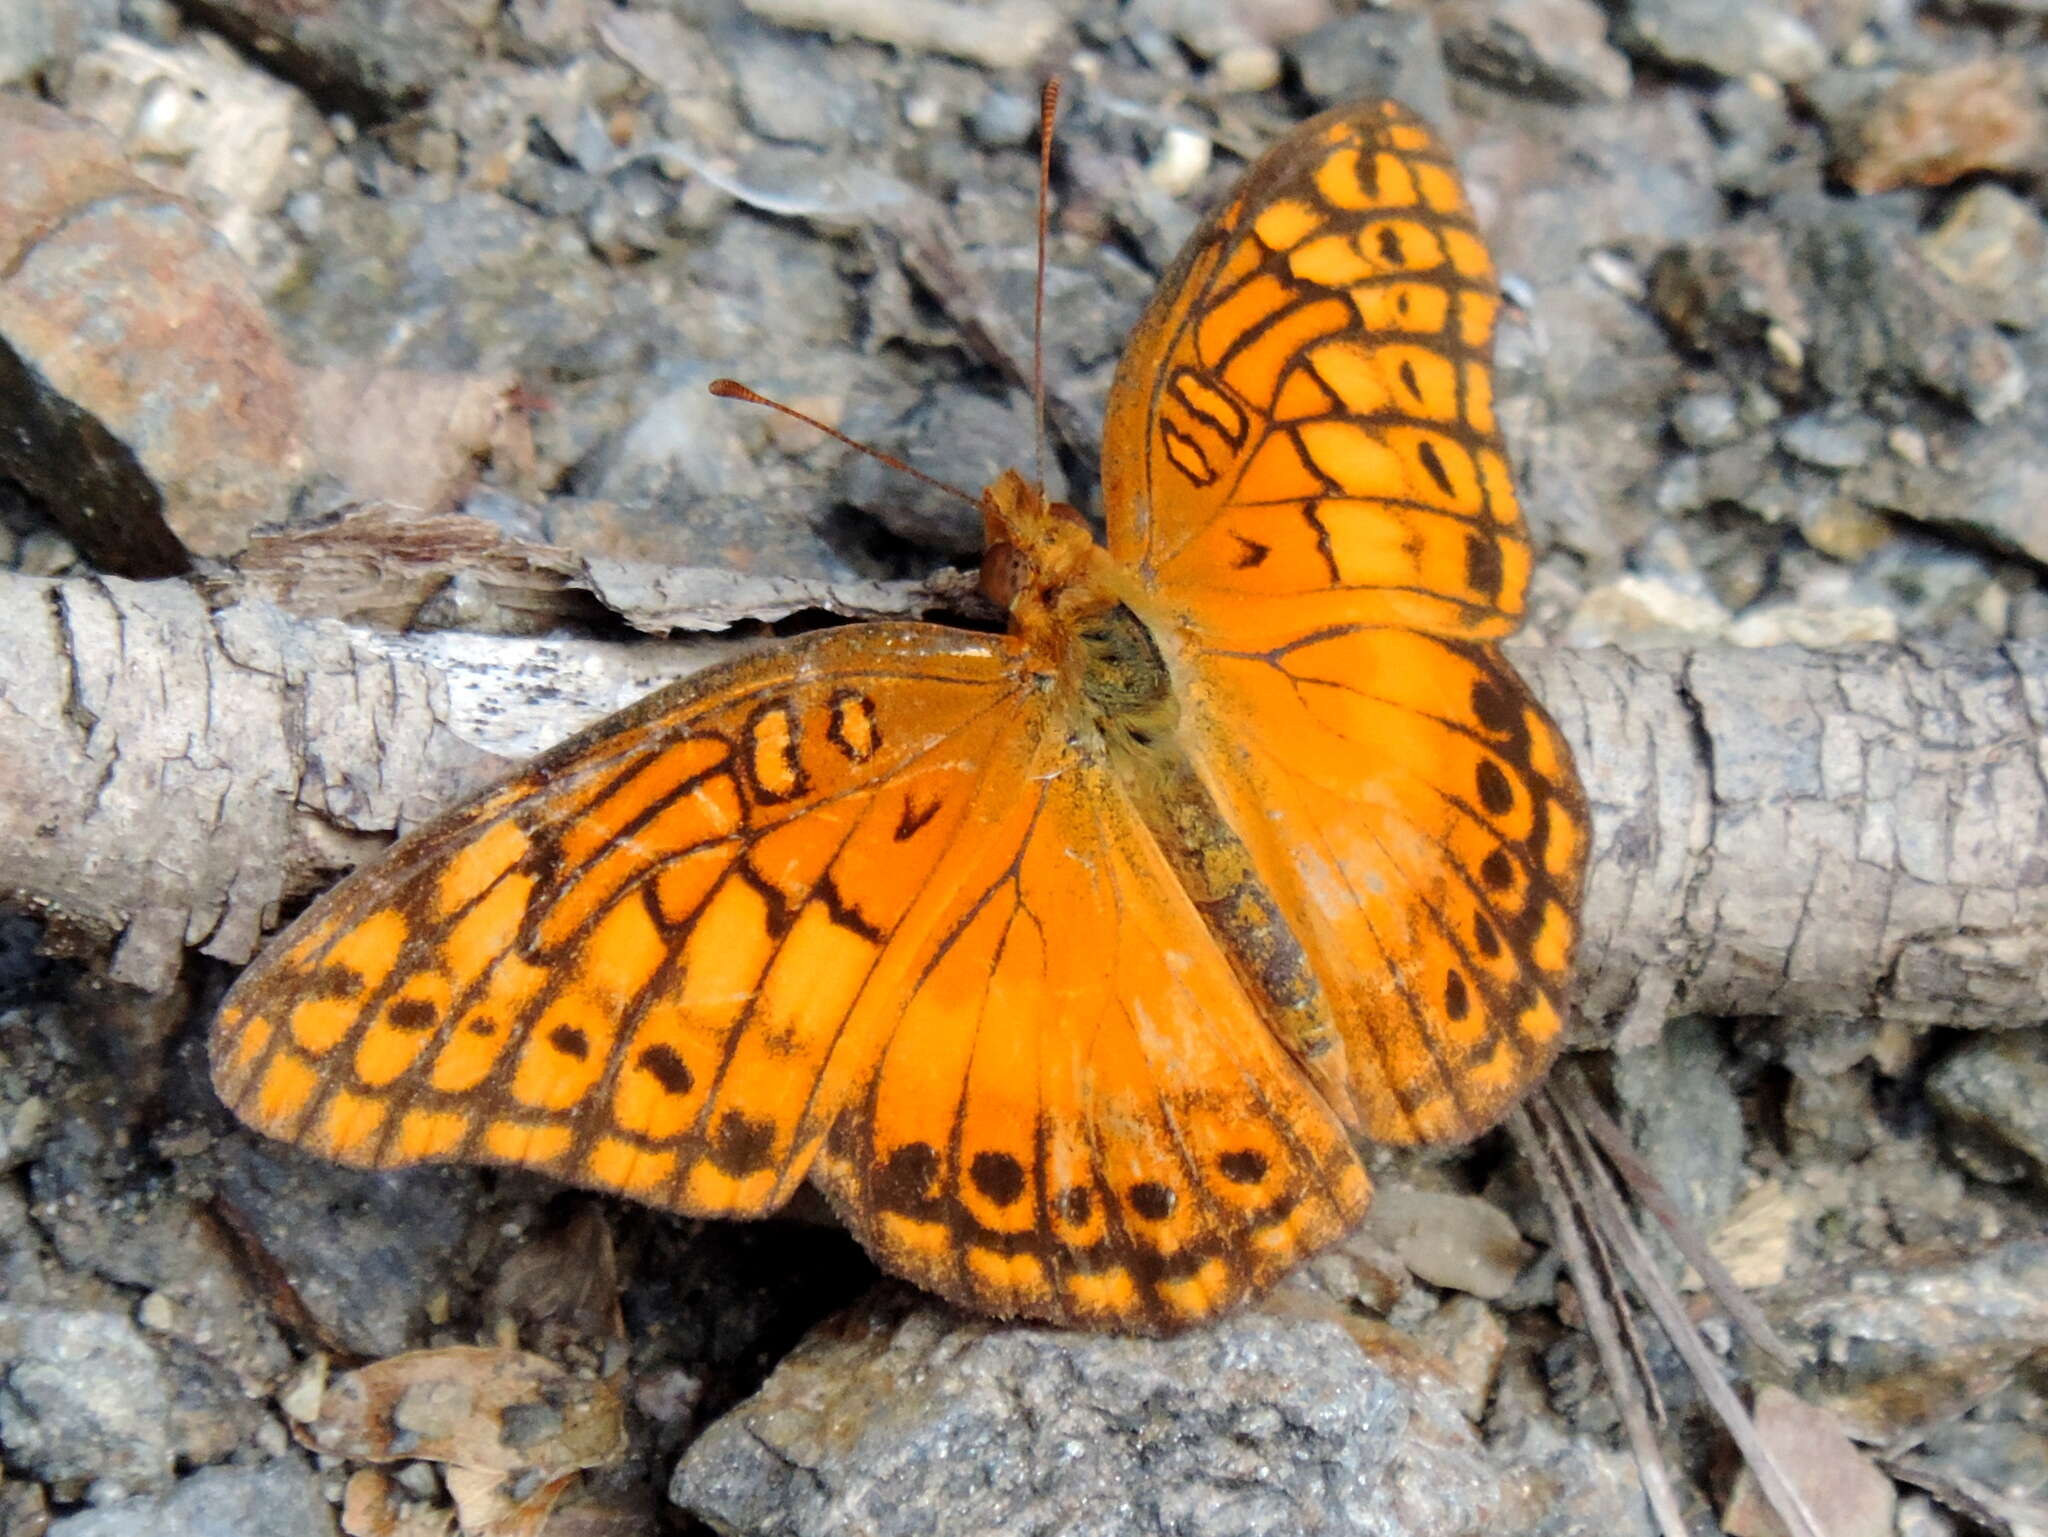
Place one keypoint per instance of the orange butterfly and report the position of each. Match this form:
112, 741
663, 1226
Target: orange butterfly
1068, 962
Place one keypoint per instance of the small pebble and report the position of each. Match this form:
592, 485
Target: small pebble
1180, 163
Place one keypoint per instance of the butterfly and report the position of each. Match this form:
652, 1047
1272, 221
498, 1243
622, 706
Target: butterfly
1073, 963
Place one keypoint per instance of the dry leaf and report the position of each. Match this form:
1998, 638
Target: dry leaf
499, 1411
504, 1504
374, 1506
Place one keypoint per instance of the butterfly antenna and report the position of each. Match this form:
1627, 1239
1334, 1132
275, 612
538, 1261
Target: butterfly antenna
732, 389
1048, 106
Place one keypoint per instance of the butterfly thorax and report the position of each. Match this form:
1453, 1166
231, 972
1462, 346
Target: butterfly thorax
1068, 606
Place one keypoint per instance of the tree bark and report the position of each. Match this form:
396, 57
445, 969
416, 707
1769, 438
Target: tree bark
1786, 832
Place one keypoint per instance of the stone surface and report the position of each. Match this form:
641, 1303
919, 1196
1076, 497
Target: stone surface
1376, 53
148, 405
1896, 129
368, 1270
1456, 1241
1746, 37
914, 1421
1993, 1094
274, 1499
83, 1398
1552, 49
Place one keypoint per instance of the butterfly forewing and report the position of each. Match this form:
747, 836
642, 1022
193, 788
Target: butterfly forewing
629, 964
1303, 461
1301, 432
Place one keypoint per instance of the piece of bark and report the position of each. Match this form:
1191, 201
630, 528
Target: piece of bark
1776, 832
399, 568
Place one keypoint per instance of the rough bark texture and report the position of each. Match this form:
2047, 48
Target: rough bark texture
1776, 832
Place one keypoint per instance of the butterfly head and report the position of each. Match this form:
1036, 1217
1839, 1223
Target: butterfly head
1038, 555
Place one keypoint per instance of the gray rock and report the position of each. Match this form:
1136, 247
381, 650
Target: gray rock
1880, 311
1994, 247
83, 1397
1004, 120
1682, 1113
1994, 1088
1376, 53
1832, 440
1555, 50
277, 1499
957, 436
829, 107
369, 56
1763, 149
1918, 1312
1729, 37
1707, 419
911, 1420
365, 1253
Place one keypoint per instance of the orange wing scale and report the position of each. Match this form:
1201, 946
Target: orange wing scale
883, 907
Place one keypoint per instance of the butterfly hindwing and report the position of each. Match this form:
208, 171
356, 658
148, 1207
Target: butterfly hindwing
1073, 1110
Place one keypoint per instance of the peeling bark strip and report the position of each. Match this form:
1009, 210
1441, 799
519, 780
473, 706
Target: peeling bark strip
1776, 832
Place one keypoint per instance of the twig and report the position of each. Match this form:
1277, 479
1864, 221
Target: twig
1547, 1163
1575, 1098
1656, 1291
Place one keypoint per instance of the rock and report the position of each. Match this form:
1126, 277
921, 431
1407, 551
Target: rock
274, 1499
1682, 1114
1799, 624
1758, 1238
1994, 247
1707, 419
1883, 1323
1895, 129
1456, 1241
1644, 611
1470, 1339
1729, 37
83, 1398
35, 33
205, 125
366, 1254
1728, 293
1842, 1487
1376, 53
368, 58
905, 1418
1554, 50
837, 106
1763, 150
957, 436
1001, 34
145, 400
1005, 120
2005, 1460
24, 1510
1994, 1089
1836, 296
1832, 440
